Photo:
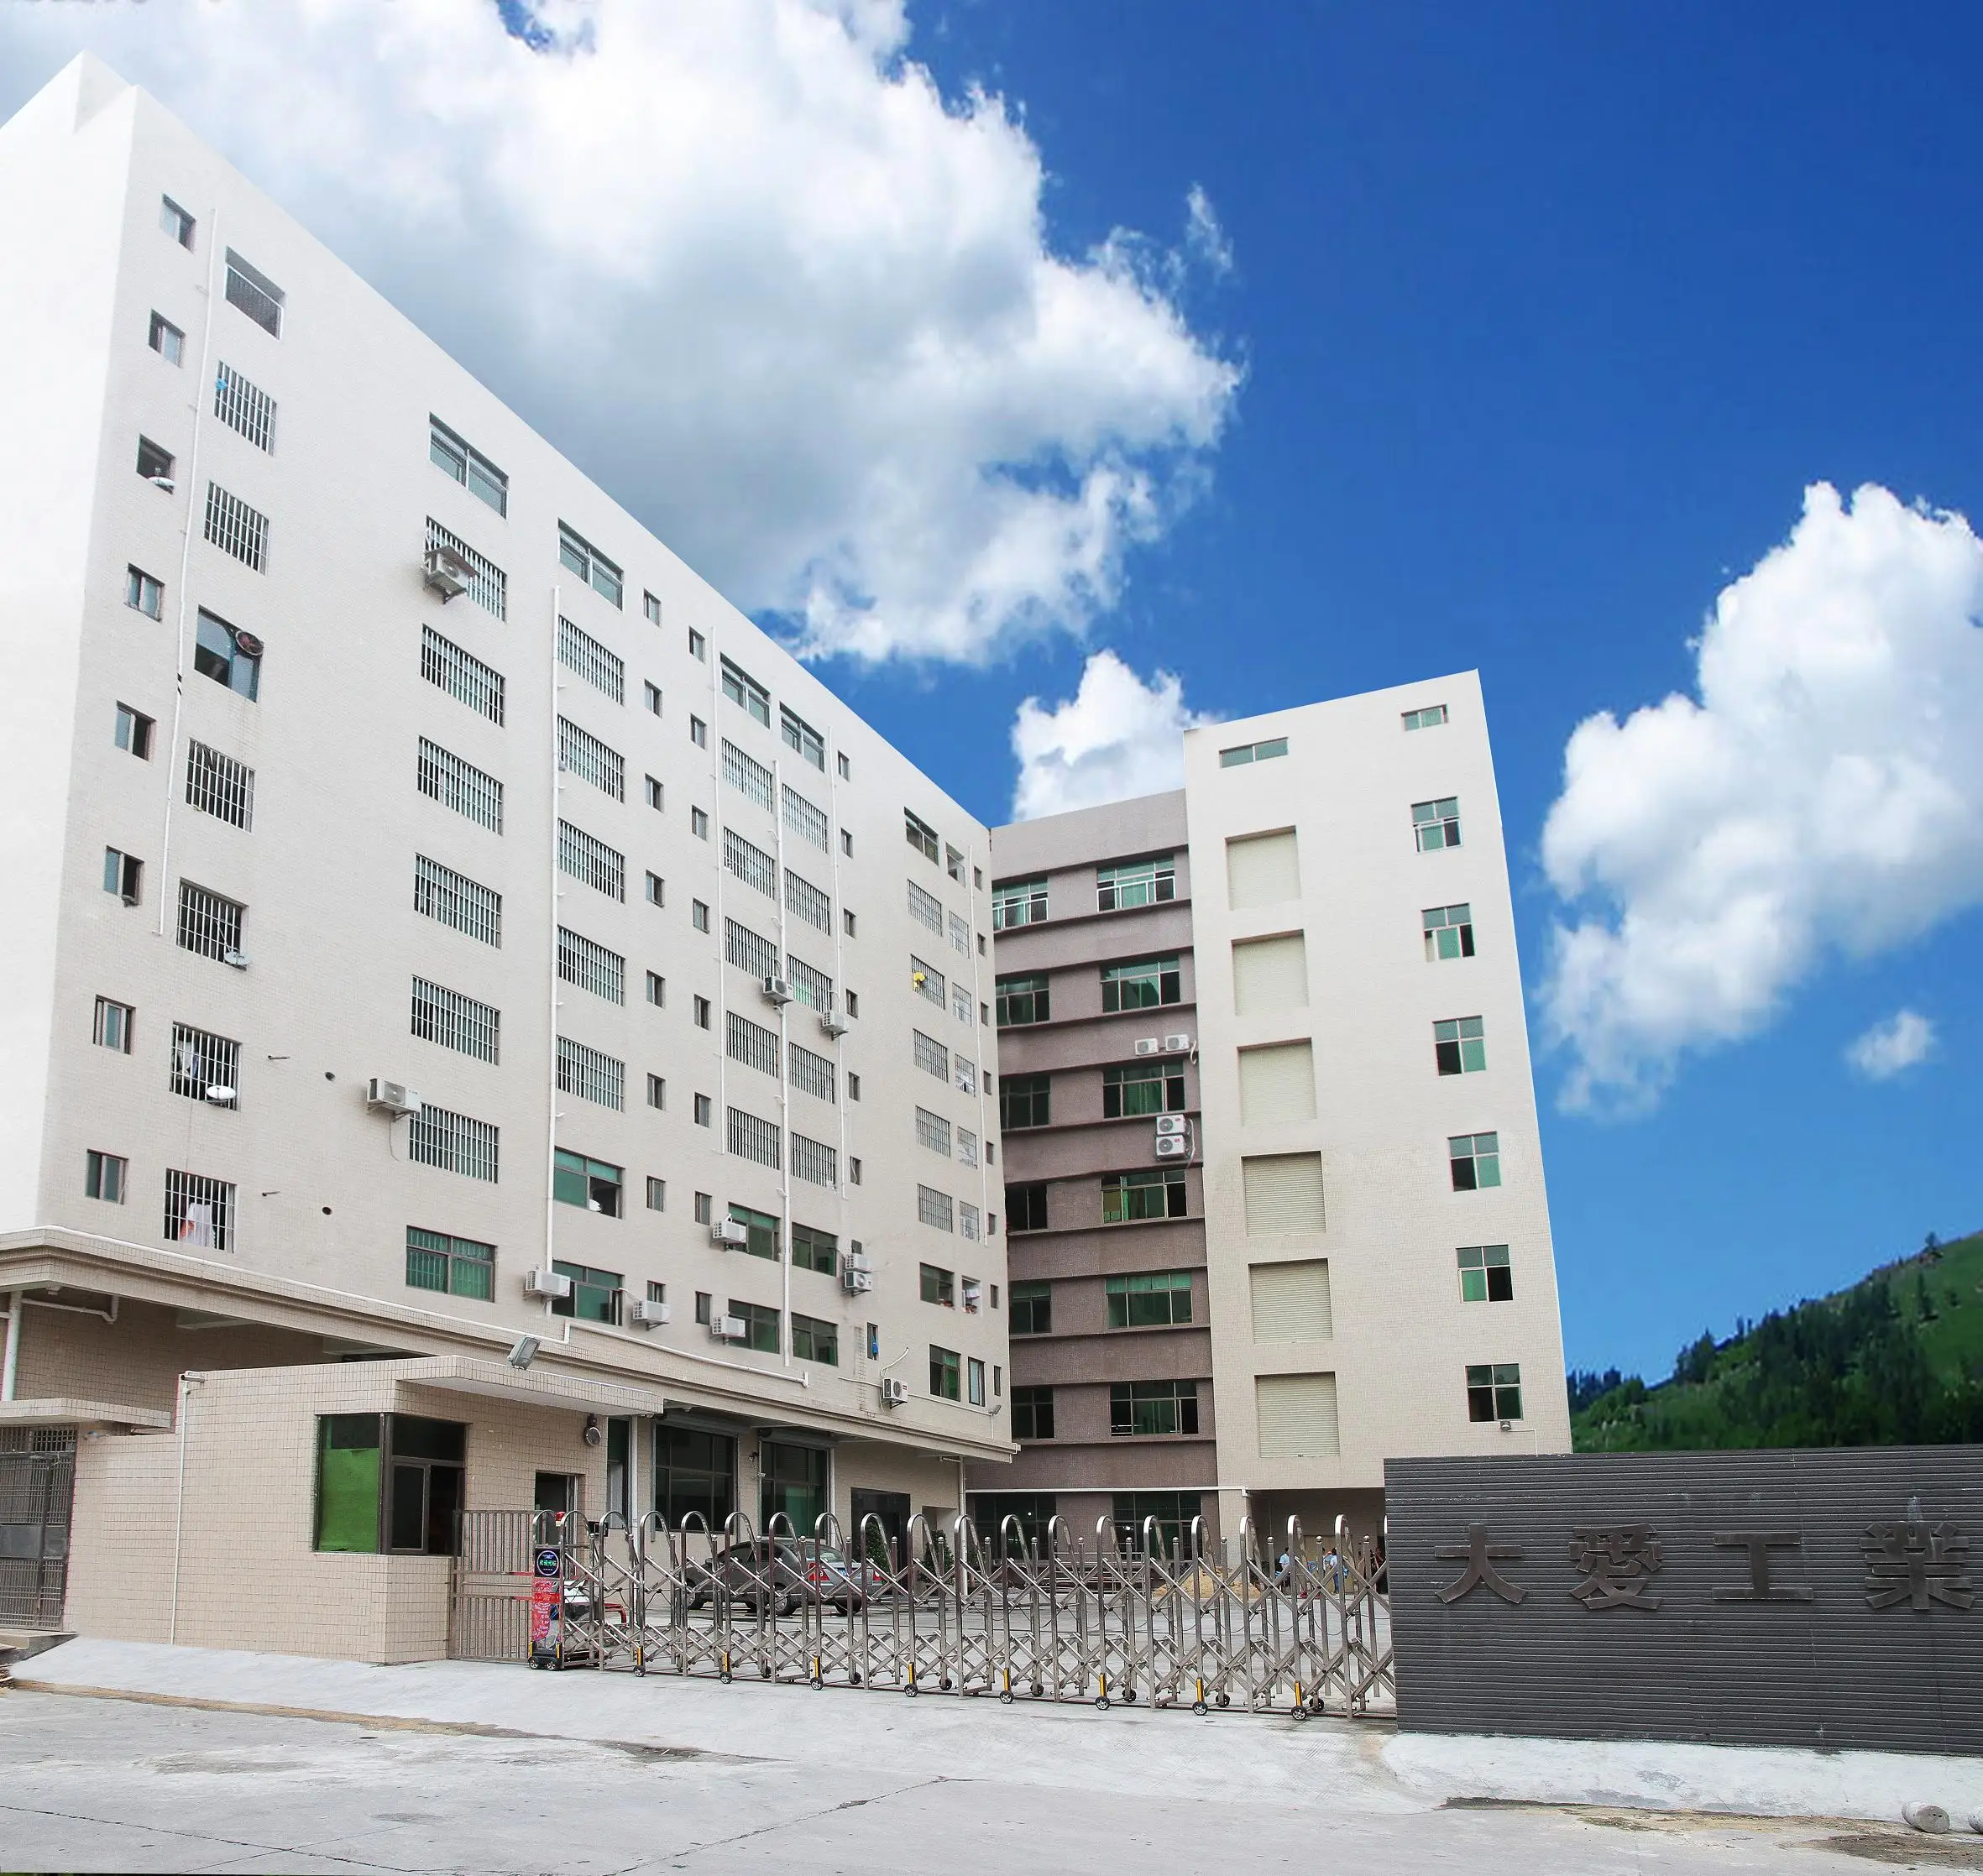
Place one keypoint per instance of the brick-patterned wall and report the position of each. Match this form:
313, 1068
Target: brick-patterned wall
120, 1552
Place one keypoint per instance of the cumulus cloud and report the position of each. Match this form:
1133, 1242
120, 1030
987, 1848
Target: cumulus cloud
1823, 794
1116, 738
1892, 1048
747, 265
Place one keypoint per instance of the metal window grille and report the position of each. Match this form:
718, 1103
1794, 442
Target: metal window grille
749, 952
592, 967
583, 754
580, 651
807, 821
967, 1224
813, 988
749, 777
237, 529
460, 785
453, 1142
245, 407
456, 1021
591, 860
589, 564
208, 924
589, 1074
199, 1210
934, 1207
960, 1001
959, 935
804, 900
753, 866
926, 908
462, 674
751, 1138
458, 1265
928, 981
815, 1162
489, 585
810, 1074
202, 1060
454, 899
751, 1043
256, 294
219, 785
933, 1131
932, 1056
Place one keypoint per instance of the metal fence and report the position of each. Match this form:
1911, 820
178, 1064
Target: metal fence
1055, 1616
37, 1486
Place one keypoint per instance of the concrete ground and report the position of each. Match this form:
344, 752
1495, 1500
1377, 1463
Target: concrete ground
118, 1757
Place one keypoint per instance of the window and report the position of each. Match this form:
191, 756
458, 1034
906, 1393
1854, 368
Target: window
208, 924
702, 1308
699, 916
656, 795
589, 1074
1449, 932
1148, 1299
106, 1176
810, 1074
953, 862
1485, 1276
853, 1004
650, 604
133, 732
255, 295
750, 1043
468, 467
575, 552
960, 1000
204, 1065
1494, 1391
967, 1145
1033, 1412
446, 777
591, 1184
804, 900
1436, 824
657, 1095
743, 691
166, 339
760, 1230
124, 874
453, 1142
815, 1162
400, 1493
926, 980
583, 857
595, 1293
228, 656
154, 464
175, 221
454, 1266
584, 755
1458, 1047
235, 528
699, 822
815, 1341
1026, 1208
846, 842
698, 646
111, 1026
1143, 1409
846, 767
933, 1131
704, 1207
1476, 1160
847, 922
959, 936
1019, 902
1143, 882
457, 1021
199, 1211
1024, 1101
932, 1056
925, 908
1429, 717
799, 735
753, 1139
219, 785
1174, 1512
921, 835
749, 777
651, 696
760, 1326
1247, 753
456, 900
1131, 1198
1145, 985
853, 1169
143, 593
1032, 1308
658, 989
245, 407
943, 1372
704, 1117
488, 585
462, 674
701, 1011
974, 1382
1151, 1087
934, 1209
853, 1085
751, 864
698, 733
657, 890
813, 1249
591, 967
579, 651
749, 952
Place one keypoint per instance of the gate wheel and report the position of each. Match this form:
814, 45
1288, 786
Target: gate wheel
1102, 1702
1199, 1707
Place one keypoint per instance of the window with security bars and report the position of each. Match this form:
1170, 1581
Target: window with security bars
489, 585
454, 1266
203, 1064
748, 776
933, 1131
752, 864
219, 785
592, 860
1436, 825
810, 1074
932, 1056
749, 952
448, 779
801, 818
582, 754
921, 835
592, 967
1459, 1045
968, 1227
927, 981
1146, 1410
959, 935
457, 1021
1019, 902
580, 651
750, 1043
454, 899
1485, 1274
813, 988
751, 1138
815, 1162
1494, 1391
460, 674
256, 294
435, 1137
208, 923
1148, 1299
1136, 882
575, 552
1024, 1000
245, 407
934, 1208
804, 900
236, 528
1133, 1198
926, 908
467, 465
590, 1075
1449, 932
1138, 1087
743, 691
199, 1211
800, 736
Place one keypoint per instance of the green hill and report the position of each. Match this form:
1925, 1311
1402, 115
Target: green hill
1896, 1360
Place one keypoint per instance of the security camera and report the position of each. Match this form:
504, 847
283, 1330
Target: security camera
595, 1434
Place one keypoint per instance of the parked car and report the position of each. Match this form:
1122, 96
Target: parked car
782, 1573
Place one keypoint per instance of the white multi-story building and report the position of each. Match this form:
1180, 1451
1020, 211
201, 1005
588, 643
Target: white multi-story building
434, 917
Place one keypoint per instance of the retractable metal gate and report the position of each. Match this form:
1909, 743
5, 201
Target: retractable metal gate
37, 1489
1200, 1626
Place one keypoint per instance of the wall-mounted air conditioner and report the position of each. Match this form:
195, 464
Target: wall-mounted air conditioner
446, 572
1172, 1146
1147, 1045
731, 1232
650, 1315
832, 1020
894, 1393
1171, 1123
856, 1283
547, 1282
777, 990
394, 1097
728, 1329
1177, 1045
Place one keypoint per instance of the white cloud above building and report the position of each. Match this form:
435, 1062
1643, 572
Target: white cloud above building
1903, 1041
1118, 737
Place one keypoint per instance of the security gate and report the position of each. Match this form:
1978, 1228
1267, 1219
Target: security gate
1062, 1618
36, 1489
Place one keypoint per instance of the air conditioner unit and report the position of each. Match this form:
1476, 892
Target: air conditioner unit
894, 1393
1147, 1045
1171, 1123
777, 990
238, 959
1172, 1146
730, 1231
832, 1021
856, 1283
547, 1282
395, 1097
856, 1259
446, 572
1177, 1045
728, 1329
651, 1315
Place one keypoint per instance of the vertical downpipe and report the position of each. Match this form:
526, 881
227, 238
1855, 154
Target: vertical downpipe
784, 1060
10, 1367
718, 827
551, 1079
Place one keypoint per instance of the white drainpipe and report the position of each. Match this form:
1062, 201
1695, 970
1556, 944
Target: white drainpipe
10, 1368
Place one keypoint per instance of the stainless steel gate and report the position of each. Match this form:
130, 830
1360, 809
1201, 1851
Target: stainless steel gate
37, 1492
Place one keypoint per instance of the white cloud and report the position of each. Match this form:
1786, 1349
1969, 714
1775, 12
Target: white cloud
1116, 738
1892, 1048
746, 264
1824, 794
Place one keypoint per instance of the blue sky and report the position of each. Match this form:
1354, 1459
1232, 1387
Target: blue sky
1537, 323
